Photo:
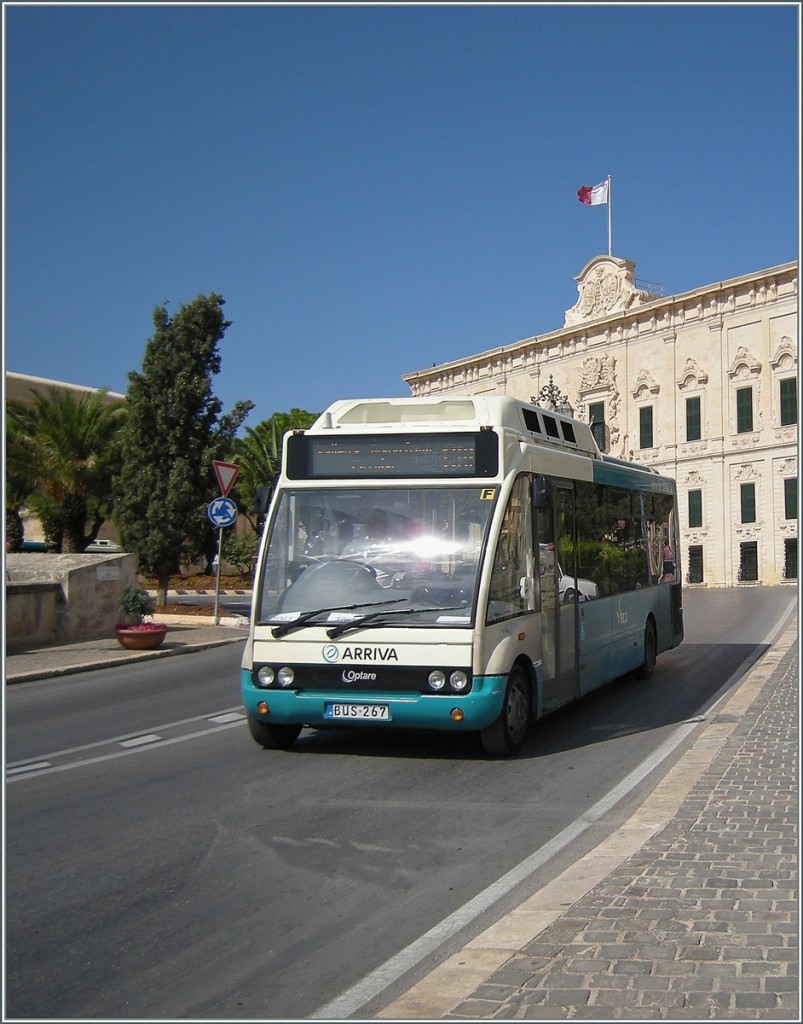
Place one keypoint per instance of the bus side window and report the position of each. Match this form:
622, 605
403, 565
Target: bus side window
513, 587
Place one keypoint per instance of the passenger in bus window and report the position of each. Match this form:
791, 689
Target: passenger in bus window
669, 564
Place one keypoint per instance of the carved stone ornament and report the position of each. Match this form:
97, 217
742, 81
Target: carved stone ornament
598, 372
785, 357
744, 366
692, 376
645, 381
605, 285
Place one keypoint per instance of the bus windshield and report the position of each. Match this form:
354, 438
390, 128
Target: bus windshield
406, 554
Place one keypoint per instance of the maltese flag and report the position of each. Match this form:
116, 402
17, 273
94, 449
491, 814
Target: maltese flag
593, 195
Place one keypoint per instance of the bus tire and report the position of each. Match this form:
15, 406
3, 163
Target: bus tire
272, 736
507, 734
645, 669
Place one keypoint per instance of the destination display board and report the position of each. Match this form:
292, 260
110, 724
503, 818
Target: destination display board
399, 456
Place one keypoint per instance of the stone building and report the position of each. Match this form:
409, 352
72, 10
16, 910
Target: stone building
19, 386
702, 386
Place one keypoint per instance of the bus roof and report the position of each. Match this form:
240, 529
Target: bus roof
460, 412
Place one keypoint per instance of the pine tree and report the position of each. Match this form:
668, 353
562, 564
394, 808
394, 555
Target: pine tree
174, 430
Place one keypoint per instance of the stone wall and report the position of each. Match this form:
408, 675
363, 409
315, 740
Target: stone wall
64, 598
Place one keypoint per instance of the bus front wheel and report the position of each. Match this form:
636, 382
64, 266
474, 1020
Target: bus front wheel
645, 669
507, 734
271, 736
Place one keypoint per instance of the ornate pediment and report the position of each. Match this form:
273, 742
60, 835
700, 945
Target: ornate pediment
691, 376
606, 285
744, 365
645, 385
785, 357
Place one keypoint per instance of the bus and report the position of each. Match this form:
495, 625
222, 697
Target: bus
463, 563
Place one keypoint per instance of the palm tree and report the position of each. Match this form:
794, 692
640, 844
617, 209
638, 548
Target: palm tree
19, 475
259, 456
63, 460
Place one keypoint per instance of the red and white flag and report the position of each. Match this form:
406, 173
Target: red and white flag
593, 195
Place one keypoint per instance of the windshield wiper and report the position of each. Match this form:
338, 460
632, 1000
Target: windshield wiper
286, 627
344, 627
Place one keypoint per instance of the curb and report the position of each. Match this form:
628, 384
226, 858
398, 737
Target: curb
205, 593
117, 659
238, 621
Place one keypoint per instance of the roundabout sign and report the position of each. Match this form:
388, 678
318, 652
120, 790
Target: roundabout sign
222, 512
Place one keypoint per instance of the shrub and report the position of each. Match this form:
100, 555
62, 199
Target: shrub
134, 603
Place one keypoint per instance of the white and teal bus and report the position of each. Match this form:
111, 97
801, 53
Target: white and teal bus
458, 564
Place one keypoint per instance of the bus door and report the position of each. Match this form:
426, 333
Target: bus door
556, 536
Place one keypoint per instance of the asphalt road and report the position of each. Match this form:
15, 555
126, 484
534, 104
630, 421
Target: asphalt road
165, 866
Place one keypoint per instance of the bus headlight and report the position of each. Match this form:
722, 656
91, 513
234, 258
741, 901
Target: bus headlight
458, 681
437, 679
265, 676
285, 676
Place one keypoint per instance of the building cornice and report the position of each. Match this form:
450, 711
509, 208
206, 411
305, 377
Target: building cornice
709, 302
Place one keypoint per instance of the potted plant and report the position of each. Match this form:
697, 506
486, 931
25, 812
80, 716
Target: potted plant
131, 631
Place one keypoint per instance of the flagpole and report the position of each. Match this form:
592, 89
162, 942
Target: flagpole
610, 251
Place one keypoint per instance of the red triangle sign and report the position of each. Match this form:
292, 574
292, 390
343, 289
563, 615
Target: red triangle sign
226, 474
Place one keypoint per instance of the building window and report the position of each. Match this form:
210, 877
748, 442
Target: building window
596, 420
748, 503
790, 497
744, 410
790, 558
645, 426
788, 401
748, 562
693, 419
695, 509
695, 573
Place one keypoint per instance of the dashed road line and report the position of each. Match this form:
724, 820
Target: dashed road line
139, 741
36, 766
122, 746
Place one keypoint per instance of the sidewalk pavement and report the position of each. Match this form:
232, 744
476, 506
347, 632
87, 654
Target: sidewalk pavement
689, 911
187, 633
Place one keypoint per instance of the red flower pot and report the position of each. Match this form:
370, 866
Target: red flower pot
144, 637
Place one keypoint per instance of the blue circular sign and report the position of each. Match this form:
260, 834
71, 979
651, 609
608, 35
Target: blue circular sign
222, 512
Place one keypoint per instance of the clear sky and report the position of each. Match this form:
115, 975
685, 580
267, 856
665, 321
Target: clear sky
375, 189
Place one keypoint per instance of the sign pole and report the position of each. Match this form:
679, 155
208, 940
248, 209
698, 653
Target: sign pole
217, 575
223, 513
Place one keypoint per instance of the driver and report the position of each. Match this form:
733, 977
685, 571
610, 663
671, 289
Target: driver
376, 537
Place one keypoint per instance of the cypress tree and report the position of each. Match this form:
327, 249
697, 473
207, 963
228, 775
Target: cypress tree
173, 432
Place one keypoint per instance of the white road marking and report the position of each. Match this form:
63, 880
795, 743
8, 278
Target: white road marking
36, 766
130, 744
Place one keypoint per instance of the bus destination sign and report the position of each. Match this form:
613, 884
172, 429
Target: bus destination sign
397, 456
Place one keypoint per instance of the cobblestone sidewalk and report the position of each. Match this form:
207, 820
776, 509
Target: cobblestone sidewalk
702, 923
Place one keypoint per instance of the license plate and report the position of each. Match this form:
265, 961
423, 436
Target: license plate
358, 712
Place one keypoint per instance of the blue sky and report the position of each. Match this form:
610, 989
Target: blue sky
376, 189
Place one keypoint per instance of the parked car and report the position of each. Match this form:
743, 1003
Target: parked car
103, 547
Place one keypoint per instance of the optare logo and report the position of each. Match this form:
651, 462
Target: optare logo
330, 653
